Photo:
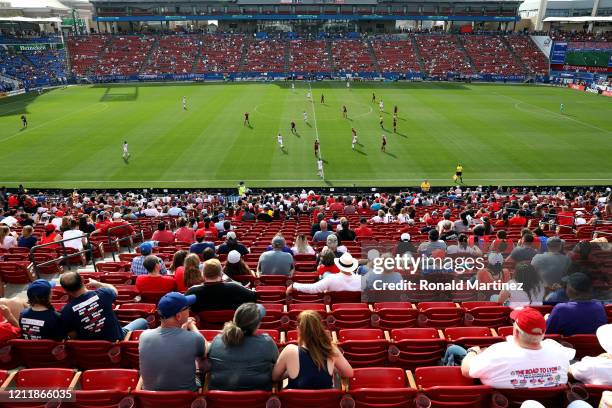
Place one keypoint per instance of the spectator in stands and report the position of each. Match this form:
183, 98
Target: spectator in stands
501, 243
9, 308
345, 234
316, 227
240, 359
184, 233
332, 244
214, 294
104, 228
78, 240
208, 253
200, 245
285, 247
326, 263
176, 211
432, 244
322, 234
524, 252
494, 272
231, 244
519, 219
189, 274
154, 281
162, 234
311, 364
86, 225
596, 369
533, 288
27, 240
463, 247
276, 262
208, 229
235, 266
168, 353
379, 217
446, 231
375, 280
517, 362
462, 225
57, 220
552, 266
40, 321
49, 236
227, 227
151, 211
404, 246
301, 246
89, 314
178, 260
137, 267
363, 231
581, 314
346, 280
8, 239
542, 238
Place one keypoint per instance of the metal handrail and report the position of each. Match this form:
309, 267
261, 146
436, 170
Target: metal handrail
86, 249
129, 238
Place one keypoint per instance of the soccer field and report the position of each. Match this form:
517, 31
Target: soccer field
502, 135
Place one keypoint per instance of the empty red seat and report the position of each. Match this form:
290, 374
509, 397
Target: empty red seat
364, 347
549, 397
585, 345
230, 399
40, 353
471, 336
447, 387
440, 314
128, 312
380, 387
17, 272
275, 317
214, 319
271, 294
349, 316
156, 399
105, 388
37, 378
329, 398
416, 347
394, 315
486, 315
93, 354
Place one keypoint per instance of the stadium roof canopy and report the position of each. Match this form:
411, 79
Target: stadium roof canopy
584, 19
20, 19
35, 5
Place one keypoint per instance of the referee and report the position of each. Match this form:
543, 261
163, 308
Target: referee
459, 174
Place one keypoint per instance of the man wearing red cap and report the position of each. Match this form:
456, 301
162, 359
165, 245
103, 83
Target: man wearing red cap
524, 360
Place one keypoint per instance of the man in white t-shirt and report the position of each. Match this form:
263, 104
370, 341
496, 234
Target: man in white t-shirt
524, 360
596, 369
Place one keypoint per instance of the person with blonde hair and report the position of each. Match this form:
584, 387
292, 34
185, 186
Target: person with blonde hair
27, 239
7, 238
312, 362
240, 359
301, 247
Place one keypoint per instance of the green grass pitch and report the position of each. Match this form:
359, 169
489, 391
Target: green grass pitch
502, 134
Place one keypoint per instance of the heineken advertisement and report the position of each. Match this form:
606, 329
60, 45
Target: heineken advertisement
34, 46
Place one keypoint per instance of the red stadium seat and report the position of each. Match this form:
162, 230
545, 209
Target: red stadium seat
214, 319
440, 314
37, 378
330, 398
40, 353
94, 354
364, 347
447, 387
271, 294
585, 345
120, 266
380, 387
17, 272
394, 315
128, 312
237, 399
331, 298
486, 315
105, 388
549, 397
156, 399
349, 316
118, 278
416, 347
275, 317
471, 336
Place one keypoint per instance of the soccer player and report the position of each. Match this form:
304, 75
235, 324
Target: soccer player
308, 95
316, 147
184, 103
381, 105
459, 173
24, 121
395, 111
344, 112
354, 132
348, 85
293, 129
293, 86
373, 97
380, 120
320, 168
354, 142
246, 119
394, 124
279, 140
322, 98
305, 117
126, 153
561, 108
383, 146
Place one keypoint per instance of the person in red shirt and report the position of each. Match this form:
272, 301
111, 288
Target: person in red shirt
184, 233
327, 265
518, 219
50, 235
154, 281
208, 229
162, 234
119, 232
337, 206
363, 230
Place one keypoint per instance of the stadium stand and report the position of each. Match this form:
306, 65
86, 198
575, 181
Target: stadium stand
395, 55
308, 56
529, 54
352, 56
174, 54
124, 55
220, 54
442, 55
490, 55
265, 56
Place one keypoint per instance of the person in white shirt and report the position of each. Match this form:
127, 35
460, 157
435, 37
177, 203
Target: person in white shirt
319, 168
151, 211
9, 221
596, 370
379, 217
78, 237
532, 292
579, 219
7, 238
346, 280
524, 360
176, 211
279, 139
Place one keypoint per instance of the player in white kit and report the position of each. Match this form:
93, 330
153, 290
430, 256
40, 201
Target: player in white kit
279, 140
293, 86
305, 117
381, 105
184, 103
126, 153
354, 141
320, 168
308, 95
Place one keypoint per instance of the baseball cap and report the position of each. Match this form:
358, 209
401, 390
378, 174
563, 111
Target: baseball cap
529, 320
278, 241
146, 248
405, 237
49, 227
578, 281
604, 335
233, 257
579, 213
231, 235
40, 287
173, 302
116, 215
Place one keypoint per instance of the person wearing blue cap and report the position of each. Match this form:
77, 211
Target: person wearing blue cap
168, 353
40, 320
138, 262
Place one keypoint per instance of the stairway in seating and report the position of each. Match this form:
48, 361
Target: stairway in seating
417, 52
330, 56
198, 55
287, 54
147, 59
243, 54
517, 59
461, 47
92, 68
373, 55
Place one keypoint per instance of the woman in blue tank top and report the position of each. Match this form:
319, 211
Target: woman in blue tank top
311, 364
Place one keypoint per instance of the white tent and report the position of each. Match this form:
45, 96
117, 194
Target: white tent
36, 5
